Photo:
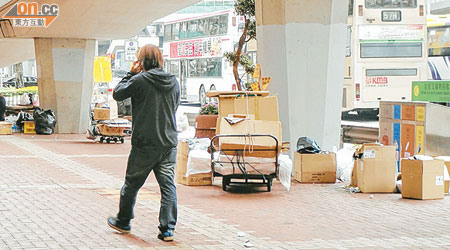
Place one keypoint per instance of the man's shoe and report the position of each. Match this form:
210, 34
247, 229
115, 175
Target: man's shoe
166, 236
118, 225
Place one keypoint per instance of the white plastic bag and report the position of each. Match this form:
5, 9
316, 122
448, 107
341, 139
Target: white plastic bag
199, 162
25, 99
182, 121
344, 164
285, 171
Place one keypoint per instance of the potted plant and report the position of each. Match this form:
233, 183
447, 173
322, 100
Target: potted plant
205, 123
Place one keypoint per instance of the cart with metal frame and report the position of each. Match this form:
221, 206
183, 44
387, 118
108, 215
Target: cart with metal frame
239, 163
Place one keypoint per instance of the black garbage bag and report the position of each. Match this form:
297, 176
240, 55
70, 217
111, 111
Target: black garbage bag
23, 117
307, 146
44, 121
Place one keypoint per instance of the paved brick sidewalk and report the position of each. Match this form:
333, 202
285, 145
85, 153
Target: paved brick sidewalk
56, 192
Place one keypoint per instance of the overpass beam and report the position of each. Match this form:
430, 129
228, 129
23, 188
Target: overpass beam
301, 45
65, 80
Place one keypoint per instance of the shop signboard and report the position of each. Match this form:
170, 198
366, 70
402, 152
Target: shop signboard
431, 91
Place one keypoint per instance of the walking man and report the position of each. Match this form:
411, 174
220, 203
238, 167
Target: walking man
155, 96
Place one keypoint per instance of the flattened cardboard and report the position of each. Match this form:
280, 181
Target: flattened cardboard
250, 144
263, 108
315, 168
422, 180
375, 171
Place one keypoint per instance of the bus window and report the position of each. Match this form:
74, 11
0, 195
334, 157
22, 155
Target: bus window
168, 32
176, 31
202, 27
391, 72
183, 30
192, 29
214, 25
205, 67
223, 24
379, 4
391, 50
174, 68
439, 41
348, 44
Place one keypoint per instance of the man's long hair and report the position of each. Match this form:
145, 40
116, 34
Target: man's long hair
150, 57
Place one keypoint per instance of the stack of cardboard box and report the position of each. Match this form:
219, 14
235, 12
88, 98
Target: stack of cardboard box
415, 128
261, 116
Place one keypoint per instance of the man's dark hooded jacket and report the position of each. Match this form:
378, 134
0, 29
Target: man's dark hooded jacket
155, 96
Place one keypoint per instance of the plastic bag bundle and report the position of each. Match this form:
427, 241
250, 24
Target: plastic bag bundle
45, 121
307, 146
285, 171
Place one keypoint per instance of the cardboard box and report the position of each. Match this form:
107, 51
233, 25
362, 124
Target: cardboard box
181, 168
5, 128
407, 140
375, 170
422, 180
263, 108
386, 110
386, 131
315, 168
29, 127
253, 144
408, 112
103, 114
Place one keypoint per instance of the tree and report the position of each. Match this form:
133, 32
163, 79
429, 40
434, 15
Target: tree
246, 9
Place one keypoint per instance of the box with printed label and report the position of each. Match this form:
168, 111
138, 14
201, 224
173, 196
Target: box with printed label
408, 112
109, 113
315, 168
422, 180
374, 169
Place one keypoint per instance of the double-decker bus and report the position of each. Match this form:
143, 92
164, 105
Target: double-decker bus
193, 51
438, 47
386, 51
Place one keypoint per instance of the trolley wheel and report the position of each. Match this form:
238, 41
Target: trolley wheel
108, 140
102, 139
115, 140
225, 182
122, 140
269, 185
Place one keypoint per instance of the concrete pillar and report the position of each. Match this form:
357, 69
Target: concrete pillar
301, 45
65, 80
